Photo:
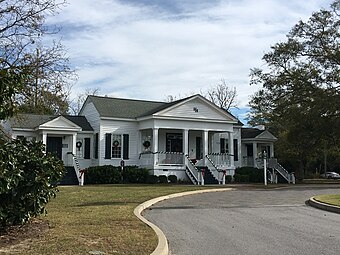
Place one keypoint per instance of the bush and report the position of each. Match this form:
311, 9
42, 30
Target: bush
28, 180
163, 179
254, 175
152, 179
172, 178
107, 174
228, 178
133, 174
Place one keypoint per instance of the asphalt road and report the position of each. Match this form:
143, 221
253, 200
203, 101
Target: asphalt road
249, 222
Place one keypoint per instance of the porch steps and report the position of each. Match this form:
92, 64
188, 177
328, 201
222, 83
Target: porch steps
208, 176
70, 177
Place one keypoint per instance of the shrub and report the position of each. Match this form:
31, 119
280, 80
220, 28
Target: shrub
254, 175
28, 180
107, 174
172, 178
228, 178
152, 179
163, 179
133, 174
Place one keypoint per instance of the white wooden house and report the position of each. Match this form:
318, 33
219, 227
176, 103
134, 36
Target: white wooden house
189, 138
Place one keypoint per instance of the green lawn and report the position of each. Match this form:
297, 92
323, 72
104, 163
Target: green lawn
99, 218
329, 199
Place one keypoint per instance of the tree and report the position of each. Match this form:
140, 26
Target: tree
76, 104
45, 68
300, 95
222, 95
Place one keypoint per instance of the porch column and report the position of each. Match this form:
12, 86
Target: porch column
271, 150
74, 141
205, 145
139, 142
254, 153
44, 140
231, 148
186, 141
155, 144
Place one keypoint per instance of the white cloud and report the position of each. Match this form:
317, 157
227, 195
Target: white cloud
135, 50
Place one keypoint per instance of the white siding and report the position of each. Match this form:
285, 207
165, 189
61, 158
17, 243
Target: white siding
195, 109
119, 127
92, 116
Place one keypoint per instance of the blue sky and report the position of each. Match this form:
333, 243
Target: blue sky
150, 49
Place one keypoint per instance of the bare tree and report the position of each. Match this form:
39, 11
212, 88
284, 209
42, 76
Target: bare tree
76, 104
222, 95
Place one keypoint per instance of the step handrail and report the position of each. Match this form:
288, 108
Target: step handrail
79, 172
213, 169
192, 169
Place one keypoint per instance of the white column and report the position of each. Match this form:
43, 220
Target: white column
254, 153
271, 150
231, 148
74, 141
139, 142
155, 144
186, 141
44, 140
205, 144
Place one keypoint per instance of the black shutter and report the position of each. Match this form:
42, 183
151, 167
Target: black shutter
235, 150
222, 145
96, 143
108, 146
87, 149
125, 146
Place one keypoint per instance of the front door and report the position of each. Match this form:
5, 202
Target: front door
54, 146
198, 148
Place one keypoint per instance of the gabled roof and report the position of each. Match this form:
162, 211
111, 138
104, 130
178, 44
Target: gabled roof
256, 134
133, 108
32, 121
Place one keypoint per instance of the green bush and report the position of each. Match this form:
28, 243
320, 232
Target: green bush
172, 178
152, 179
133, 174
163, 179
107, 174
254, 175
228, 178
28, 180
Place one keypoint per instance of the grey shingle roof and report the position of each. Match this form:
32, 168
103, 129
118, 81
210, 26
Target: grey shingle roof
31, 121
250, 132
126, 108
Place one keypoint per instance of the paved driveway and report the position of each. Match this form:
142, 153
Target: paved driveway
249, 222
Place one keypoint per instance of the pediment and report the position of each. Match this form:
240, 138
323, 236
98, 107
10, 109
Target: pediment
60, 123
266, 135
196, 107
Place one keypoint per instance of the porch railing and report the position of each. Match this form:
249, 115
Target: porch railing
220, 159
272, 163
162, 158
192, 171
76, 166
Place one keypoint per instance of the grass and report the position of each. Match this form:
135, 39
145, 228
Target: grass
98, 218
329, 199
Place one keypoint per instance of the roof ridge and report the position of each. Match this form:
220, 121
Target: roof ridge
129, 99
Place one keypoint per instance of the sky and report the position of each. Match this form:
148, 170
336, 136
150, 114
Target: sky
148, 50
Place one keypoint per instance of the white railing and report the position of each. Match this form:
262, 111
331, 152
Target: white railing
170, 158
192, 171
79, 172
220, 159
272, 163
215, 171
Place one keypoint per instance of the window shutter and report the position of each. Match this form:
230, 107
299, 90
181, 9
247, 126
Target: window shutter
96, 144
87, 148
235, 150
108, 146
125, 146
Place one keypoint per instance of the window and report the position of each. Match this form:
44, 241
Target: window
223, 145
174, 142
116, 146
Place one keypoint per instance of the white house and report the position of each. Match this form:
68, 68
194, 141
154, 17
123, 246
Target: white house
191, 138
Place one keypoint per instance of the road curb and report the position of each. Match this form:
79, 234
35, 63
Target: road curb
162, 247
323, 206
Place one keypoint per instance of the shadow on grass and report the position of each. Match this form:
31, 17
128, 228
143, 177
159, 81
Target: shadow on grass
105, 203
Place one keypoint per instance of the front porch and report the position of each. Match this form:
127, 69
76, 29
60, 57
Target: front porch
186, 153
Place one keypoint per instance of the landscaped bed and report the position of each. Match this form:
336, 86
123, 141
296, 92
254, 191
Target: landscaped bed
93, 218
